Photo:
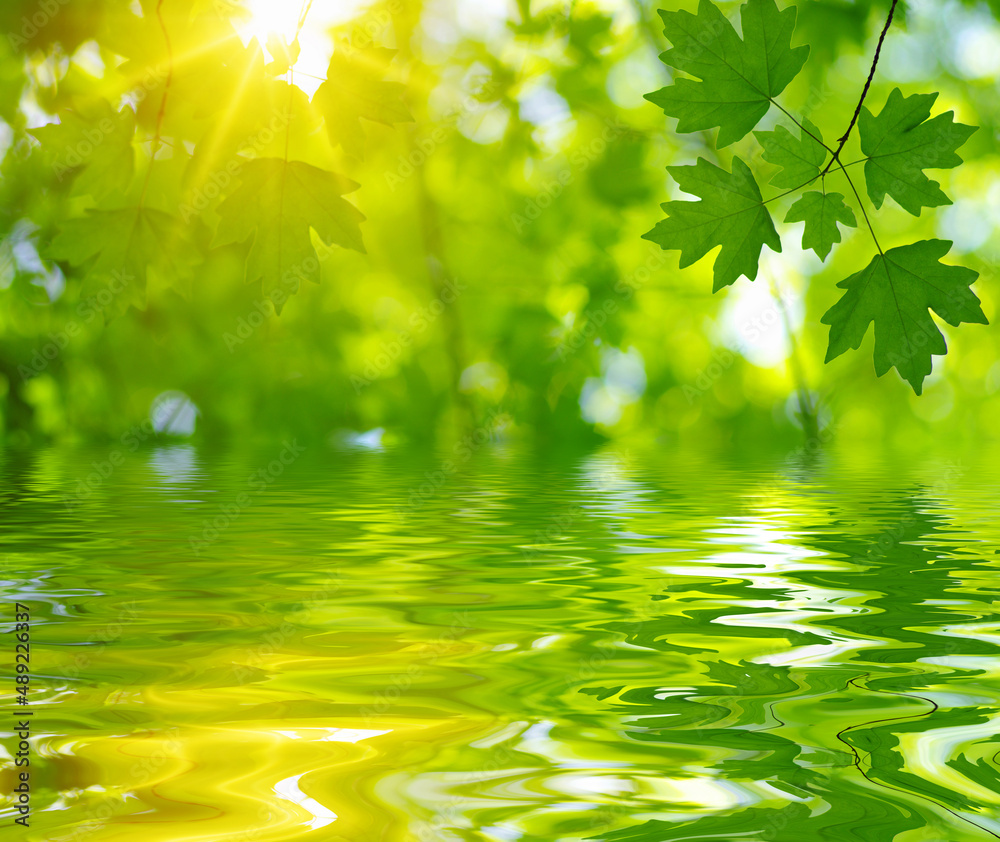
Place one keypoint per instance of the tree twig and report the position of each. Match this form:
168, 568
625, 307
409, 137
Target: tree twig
162, 113
868, 83
861, 205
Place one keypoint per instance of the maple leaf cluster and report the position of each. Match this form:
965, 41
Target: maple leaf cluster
734, 84
202, 155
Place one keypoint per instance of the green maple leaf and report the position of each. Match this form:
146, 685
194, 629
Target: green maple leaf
800, 158
93, 146
119, 247
901, 142
896, 291
821, 212
739, 78
355, 89
278, 202
731, 214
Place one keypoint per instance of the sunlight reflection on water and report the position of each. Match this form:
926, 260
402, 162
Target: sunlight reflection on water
624, 646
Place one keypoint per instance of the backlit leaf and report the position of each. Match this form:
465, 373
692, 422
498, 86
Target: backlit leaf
731, 214
897, 291
94, 146
356, 89
821, 212
119, 247
901, 142
800, 158
738, 77
277, 203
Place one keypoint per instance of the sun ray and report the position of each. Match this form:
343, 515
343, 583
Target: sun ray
203, 163
273, 17
284, 18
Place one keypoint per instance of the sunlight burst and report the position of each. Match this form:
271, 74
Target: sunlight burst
269, 18
273, 17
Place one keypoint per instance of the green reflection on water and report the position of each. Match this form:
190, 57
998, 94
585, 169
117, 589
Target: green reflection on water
363, 646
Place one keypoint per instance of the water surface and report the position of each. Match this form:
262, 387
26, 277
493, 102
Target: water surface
487, 644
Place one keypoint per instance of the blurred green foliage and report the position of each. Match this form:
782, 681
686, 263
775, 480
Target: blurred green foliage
503, 265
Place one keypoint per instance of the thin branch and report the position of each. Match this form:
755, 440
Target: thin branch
310, 76
861, 205
793, 190
804, 129
871, 75
307, 7
303, 14
811, 180
161, 114
868, 83
288, 112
